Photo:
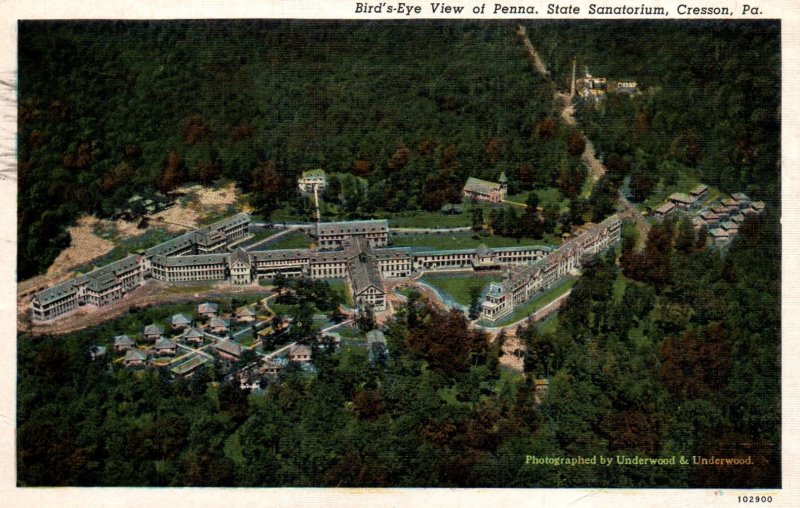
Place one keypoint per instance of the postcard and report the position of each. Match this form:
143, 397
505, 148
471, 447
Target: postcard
400, 252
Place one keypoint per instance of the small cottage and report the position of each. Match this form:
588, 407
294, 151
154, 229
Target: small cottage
134, 358
245, 315
193, 335
123, 343
180, 322
300, 354
208, 309
219, 326
165, 347
152, 332
228, 350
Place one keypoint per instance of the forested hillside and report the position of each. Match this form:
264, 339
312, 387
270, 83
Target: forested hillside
710, 101
107, 109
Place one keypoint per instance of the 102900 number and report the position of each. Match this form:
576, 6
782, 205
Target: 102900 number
755, 499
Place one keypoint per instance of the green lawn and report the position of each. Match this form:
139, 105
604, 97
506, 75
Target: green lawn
405, 291
259, 235
246, 339
434, 241
546, 197
620, 284
423, 219
549, 324
341, 287
536, 303
349, 332
458, 286
295, 240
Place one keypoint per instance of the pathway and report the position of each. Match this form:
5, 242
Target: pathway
538, 64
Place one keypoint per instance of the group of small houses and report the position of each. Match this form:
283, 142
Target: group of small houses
722, 218
592, 90
154, 349
185, 330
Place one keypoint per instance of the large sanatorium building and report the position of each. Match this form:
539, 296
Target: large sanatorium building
355, 251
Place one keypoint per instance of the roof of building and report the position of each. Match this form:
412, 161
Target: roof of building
56, 292
230, 222
163, 343
699, 189
681, 197
178, 243
193, 260
206, 237
394, 252
153, 329
375, 336
102, 282
354, 227
478, 186
314, 173
665, 207
193, 333
98, 280
123, 340
364, 274
708, 214
718, 232
181, 319
245, 311
241, 256
740, 196
229, 346
280, 255
135, 355
523, 248
502, 178
207, 307
730, 202
758, 205
189, 365
218, 322
300, 350
728, 225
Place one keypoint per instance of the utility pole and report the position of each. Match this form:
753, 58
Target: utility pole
572, 89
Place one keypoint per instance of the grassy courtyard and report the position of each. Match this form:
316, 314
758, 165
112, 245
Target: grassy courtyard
295, 240
459, 287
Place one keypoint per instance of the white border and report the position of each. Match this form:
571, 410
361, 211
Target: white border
787, 10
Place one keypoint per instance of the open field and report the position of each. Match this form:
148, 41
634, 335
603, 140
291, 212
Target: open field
547, 196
